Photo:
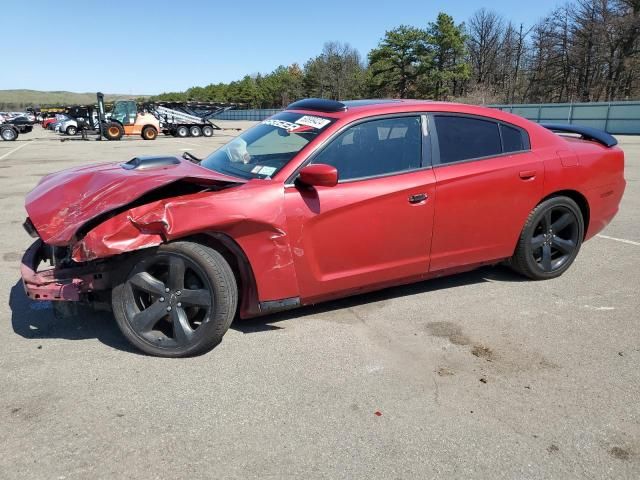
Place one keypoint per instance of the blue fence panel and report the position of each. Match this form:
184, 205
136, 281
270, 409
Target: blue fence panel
256, 114
614, 117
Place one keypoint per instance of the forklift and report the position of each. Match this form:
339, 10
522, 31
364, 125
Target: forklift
126, 120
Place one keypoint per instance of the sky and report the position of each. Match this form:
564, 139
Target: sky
134, 47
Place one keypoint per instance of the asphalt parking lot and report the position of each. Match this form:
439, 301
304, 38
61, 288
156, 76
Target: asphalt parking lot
479, 375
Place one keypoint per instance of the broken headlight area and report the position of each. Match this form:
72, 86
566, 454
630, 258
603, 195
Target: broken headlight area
30, 228
48, 273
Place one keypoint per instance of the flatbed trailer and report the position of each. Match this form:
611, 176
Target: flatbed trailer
187, 119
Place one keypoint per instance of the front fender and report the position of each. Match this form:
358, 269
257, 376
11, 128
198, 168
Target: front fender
259, 228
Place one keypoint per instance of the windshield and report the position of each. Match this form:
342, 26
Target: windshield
263, 150
124, 112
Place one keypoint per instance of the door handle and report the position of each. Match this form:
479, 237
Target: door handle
528, 174
417, 198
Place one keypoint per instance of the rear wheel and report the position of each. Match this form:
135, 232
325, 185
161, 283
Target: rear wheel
71, 130
207, 131
149, 133
550, 239
195, 131
113, 131
8, 133
178, 300
182, 131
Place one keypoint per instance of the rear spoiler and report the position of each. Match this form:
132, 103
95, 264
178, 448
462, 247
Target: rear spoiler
587, 133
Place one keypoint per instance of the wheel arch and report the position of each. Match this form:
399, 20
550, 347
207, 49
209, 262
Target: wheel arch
240, 265
577, 197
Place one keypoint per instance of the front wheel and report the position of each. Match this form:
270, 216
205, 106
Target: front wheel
113, 131
8, 133
550, 239
71, 130
178, 300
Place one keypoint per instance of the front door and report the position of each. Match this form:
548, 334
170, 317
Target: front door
374, 227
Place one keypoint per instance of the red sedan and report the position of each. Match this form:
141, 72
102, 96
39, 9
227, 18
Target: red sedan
48, 121
323, 200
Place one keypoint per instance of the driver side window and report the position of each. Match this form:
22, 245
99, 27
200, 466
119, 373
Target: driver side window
375, 148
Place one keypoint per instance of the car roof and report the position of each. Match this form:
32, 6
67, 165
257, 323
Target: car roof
348, 110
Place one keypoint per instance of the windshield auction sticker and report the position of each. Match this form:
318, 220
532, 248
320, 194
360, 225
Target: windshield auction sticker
303, 124
315, 122
288, 126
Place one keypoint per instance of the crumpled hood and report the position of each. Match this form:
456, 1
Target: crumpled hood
63, 202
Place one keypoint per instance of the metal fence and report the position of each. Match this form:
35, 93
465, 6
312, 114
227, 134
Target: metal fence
622, 118
614, 117
254, 114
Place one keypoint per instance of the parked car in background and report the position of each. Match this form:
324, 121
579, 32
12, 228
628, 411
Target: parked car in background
68, 126
60, 118
48, 121
22, 124
323, 200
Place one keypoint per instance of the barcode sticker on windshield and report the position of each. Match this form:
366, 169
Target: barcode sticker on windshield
267, 170
315, 122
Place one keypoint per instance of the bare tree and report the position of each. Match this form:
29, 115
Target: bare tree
484, 35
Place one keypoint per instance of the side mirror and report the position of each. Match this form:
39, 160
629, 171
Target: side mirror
319, 175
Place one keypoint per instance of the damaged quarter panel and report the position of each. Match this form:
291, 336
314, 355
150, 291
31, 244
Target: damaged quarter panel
257, 226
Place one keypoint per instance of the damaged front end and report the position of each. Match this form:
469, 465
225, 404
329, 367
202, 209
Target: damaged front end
61, 280
65, 206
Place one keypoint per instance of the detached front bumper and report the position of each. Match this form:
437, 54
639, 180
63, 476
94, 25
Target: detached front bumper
67, 284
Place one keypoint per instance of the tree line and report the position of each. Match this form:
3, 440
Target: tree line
586, 50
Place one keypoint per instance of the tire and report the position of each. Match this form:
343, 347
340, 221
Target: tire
149, 133
168, 329
8, 133
71, 130
550, 240
207, 131
195, 131
113, 131
182, 131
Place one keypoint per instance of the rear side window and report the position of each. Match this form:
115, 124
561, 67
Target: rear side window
513, 139
464, 138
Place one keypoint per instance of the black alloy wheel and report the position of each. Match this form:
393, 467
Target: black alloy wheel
550, 239
555, 238
178, 301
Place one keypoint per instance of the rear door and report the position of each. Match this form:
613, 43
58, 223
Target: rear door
374, 226
487, 182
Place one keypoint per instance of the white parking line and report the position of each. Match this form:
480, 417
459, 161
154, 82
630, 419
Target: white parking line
14, 150
622, 240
